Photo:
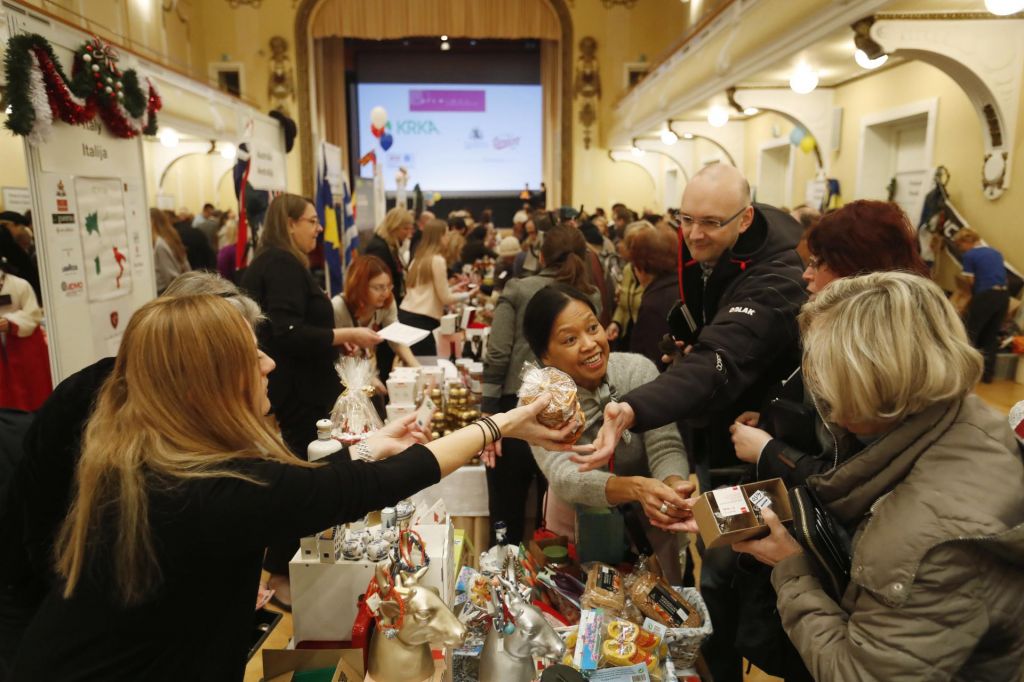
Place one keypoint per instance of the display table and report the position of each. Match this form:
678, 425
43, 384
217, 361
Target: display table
464, 492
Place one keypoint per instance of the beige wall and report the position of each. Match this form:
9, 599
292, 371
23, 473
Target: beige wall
622, 35
958, 147
13, 171
140, 25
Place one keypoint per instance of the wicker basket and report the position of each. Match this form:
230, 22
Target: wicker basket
684, 643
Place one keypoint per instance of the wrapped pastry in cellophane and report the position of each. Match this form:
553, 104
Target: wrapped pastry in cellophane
354, 416
564, 405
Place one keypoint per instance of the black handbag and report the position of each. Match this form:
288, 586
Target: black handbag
793, 423
826, 542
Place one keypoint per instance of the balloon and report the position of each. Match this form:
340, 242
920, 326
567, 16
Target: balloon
808, 144
379, 116
386, 141
375, 131
798, 133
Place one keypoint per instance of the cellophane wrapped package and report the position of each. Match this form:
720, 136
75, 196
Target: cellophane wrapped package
354, 417
564, 405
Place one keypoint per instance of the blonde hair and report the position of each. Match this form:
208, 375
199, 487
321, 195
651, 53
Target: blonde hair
392, 223
431, 244
274, 234
883, 346
452, 250
182, 402
161, 227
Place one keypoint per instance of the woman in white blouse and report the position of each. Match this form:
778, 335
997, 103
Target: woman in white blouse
426, 287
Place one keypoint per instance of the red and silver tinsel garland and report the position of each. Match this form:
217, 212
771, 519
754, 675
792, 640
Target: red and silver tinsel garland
52, 99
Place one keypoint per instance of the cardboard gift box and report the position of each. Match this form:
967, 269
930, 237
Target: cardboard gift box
285, 665
728, 515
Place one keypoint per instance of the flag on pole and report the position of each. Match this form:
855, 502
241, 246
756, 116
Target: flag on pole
350, 236
328, 217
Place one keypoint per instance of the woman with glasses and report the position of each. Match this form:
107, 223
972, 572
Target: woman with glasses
300, 335
368, 301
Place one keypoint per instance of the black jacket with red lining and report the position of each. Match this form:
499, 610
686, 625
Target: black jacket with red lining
747, 341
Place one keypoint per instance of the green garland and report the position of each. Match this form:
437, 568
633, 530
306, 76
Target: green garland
97, 86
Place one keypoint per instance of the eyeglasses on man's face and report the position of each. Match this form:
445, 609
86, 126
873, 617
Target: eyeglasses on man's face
709, 224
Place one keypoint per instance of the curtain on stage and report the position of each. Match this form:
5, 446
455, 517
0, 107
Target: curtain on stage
391, 19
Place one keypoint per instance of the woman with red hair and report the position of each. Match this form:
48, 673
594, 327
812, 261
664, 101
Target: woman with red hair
368, 300
861, 237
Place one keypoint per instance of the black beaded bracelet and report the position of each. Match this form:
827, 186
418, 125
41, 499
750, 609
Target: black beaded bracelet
482, 433
495, 431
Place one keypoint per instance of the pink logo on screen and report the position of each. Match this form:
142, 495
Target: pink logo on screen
447, 100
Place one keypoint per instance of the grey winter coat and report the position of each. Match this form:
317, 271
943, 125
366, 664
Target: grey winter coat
937, 579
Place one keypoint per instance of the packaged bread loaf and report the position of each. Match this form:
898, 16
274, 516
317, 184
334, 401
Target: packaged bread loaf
604, 589
658, 601
564, 405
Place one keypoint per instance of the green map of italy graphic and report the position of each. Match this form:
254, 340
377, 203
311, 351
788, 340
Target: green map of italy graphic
92, 223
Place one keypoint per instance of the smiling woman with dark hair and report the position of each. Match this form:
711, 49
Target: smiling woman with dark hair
563, 331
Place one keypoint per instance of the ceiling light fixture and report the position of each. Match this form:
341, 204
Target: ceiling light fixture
227, 151
637, 152
804, 79
443, 38
718, 116
687, 136
445, 46
668, 137
1004, 8
169, 137
751, 111
866, 62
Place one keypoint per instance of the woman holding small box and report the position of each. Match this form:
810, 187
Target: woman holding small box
932, 500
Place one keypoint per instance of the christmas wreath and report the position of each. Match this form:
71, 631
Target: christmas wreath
38, 91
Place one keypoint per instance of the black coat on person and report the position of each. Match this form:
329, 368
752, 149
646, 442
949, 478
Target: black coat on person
748, 339
651, 324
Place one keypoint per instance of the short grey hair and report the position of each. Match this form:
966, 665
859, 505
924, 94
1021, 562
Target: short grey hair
200, 283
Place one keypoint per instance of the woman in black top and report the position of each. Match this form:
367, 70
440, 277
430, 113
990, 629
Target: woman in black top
301, 337
180, 485
387, 240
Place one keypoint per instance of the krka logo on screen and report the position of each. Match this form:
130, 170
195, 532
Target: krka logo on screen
415, 127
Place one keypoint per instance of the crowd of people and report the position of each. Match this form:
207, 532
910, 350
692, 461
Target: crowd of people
727, 340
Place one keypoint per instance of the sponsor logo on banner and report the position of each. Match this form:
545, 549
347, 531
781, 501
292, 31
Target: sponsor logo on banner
72, 288
447, 100
501, 142
475, 139
416, 127
64, 223
70, 267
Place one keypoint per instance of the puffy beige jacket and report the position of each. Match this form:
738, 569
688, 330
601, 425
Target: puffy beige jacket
937, 584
